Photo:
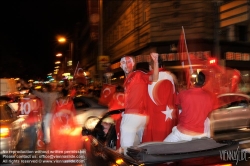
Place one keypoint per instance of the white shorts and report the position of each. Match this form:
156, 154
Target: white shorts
132, 127
177, 136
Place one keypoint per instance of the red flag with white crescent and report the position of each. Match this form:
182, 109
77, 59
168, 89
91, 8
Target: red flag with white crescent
162, 111
116, 103
106, 94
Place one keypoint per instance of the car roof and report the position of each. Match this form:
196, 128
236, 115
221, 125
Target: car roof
93, 101
234, 94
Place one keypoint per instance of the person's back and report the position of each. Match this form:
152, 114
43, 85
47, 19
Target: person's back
63, 123
196, 104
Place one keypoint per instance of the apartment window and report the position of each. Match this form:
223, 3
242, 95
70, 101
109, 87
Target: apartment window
242, 33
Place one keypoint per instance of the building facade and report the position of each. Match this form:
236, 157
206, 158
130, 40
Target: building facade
134, 27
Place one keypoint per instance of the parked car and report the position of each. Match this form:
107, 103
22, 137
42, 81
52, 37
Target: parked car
101, 149
10, 128
233, 113
87, 106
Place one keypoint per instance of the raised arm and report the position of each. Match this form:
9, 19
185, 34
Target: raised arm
155, 75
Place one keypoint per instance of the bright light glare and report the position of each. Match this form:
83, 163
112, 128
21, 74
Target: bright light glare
4, 132
57, 62
194, 75
119, 161
59, 54
61, 39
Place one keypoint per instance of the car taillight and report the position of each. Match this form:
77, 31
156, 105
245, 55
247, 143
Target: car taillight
4, 132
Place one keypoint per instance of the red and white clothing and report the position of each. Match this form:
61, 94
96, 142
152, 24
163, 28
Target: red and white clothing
162, 111
135, 115
196, 104
32, 107
136, 85
62, 123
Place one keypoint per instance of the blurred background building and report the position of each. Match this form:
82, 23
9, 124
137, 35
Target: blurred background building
216, 28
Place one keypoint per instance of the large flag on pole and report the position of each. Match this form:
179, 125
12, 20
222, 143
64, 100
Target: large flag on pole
79, 76
185, 58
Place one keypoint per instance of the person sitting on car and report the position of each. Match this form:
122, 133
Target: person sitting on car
196, 103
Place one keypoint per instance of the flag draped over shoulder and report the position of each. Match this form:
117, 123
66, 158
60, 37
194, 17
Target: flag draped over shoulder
106, 94
184, 57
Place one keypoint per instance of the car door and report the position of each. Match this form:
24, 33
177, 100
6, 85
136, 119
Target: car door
221, 117
240, 114
233, 112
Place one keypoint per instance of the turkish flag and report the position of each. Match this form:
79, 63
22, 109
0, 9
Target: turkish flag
116, 103
161, 107
106, 94
39, 143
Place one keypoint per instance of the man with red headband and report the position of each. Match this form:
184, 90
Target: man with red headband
135, 90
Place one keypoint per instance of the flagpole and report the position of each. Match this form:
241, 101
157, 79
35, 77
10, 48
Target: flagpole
75, 69
189, 61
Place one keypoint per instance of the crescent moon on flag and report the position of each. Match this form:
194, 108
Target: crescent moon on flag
39, 143
117, 98
109, 91
162, 76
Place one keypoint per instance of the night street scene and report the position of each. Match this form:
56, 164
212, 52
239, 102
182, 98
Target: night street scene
125, 83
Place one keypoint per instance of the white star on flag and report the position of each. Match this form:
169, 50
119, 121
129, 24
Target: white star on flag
168, 113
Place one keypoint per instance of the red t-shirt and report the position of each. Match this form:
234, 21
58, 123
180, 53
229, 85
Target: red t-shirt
31, 107
63, 114
64, 137
196, 104
136, 86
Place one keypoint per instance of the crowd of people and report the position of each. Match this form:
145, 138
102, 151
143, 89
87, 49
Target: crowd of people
154, 108
55, 114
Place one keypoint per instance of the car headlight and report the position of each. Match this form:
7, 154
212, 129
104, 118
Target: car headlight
4, 132
91, 123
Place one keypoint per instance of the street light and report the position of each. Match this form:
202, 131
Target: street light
61, 39
67, 59
59, 54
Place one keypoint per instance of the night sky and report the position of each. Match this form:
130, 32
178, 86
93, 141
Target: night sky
28, 33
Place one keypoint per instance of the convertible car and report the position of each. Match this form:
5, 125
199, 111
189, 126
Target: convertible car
101, 148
